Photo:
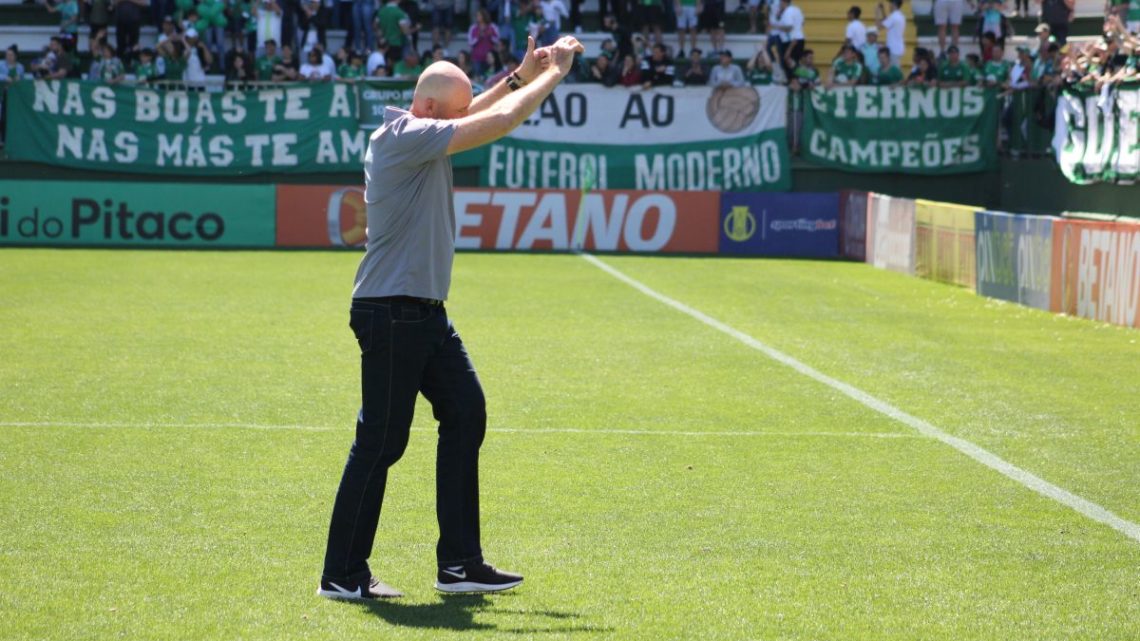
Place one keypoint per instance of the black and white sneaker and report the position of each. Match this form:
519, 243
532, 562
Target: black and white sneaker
480, 577
372, 588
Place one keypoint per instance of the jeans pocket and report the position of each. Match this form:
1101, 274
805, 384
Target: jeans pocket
361, 322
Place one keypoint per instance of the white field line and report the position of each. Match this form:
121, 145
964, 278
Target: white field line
979, 454
347, 427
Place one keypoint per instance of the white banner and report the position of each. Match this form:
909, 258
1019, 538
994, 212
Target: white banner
597, 115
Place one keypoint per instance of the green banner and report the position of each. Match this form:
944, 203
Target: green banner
1097, 137
294, 129
376, 95
1030, 121
902, 129
754, 163
136, 214
675, 139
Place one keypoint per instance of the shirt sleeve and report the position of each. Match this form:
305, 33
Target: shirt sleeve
415, 141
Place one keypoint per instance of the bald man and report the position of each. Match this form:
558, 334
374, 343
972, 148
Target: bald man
407, 343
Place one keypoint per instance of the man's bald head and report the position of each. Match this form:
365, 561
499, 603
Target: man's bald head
443, 91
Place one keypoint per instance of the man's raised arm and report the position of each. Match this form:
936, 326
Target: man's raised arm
511, 108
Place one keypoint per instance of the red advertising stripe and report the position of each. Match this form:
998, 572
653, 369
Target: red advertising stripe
1096, 271
527, 220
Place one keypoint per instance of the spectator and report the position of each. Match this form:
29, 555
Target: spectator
145, 70
726, 73
1045, 66
948, 13
994, 21
922, 73
110, 68
396, 27
759, 68
363, 13
790, 24
687, 11
630, 75
952, 73
895, 26
553, 11
483, 38
995, 72
620, 36
170, 61
10, 68
973, 69
695, 74
167, 31
198, 59
412, 9
376, 65
509, 63
711, 20
286, 70
888, 74
442, 21
314, 16
856, 30
1021, 75
1021, 8
657, 70
354, 70
987, 47
128, 21
312, 70
56, 62
1044, 37
651, 15
239, 69
603, 70
267, 61
408, 67
846, 71
1132, 18
345, 19
805, 75
98, 15
68, 11
464, 62
328, 65
268, 17
869, 52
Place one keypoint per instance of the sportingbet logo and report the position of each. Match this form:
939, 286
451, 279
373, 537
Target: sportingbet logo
804, 224
90, 220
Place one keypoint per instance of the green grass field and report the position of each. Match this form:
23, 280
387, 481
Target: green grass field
173, 426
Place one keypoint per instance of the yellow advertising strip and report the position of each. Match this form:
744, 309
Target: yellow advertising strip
944, 242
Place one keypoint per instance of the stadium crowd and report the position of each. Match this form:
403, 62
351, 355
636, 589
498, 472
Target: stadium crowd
276, 41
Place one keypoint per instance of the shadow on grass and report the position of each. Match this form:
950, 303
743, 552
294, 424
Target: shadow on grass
457, 612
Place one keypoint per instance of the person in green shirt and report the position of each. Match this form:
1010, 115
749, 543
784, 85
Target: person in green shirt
267, 61
846, 71
145, 70
995, 73
952, 73
68, 11
409, 67
1132, 17
395, 25
110, 68
888, 74
805, 75
352, 71
759, 69
973, 69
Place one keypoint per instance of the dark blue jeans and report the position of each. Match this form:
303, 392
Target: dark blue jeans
408, 348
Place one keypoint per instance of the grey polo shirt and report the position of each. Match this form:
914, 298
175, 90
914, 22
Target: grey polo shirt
411, 215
